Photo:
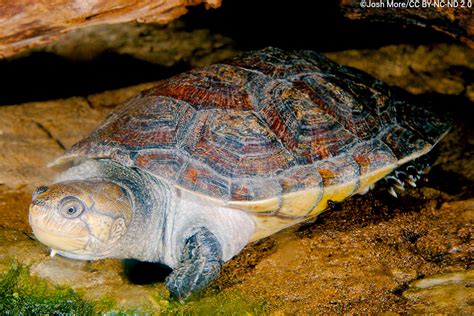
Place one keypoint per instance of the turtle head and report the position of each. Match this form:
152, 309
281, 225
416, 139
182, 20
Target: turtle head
80, 219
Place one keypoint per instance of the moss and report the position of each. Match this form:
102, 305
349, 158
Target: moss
22, 294
223, 303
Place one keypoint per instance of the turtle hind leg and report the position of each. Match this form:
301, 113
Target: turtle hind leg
200, 263
409, 174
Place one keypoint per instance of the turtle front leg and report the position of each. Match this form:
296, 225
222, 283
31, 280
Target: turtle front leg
200, 263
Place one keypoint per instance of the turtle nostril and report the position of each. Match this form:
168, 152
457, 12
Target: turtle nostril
39, 190
38, 202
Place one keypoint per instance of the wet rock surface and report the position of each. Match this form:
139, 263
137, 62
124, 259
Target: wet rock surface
371, 253
443, 293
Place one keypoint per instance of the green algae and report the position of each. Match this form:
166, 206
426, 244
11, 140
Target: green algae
223, 303
21, 293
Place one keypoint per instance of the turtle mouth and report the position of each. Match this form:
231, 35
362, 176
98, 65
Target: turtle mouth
60, 242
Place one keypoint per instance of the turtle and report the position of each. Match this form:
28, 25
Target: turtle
189, 172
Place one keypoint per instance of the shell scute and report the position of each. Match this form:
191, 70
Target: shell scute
253, 189
154, 122
375, 160
345, 101
232, 142
300, 178
217, 86
168, 162
273, 62
201, 179
339, 170
403, 142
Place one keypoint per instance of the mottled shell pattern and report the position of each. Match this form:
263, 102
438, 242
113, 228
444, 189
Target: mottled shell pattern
271, 131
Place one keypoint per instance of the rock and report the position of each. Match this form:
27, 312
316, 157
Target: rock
456, 21
450, 293
74, 273
14, 207
165, 45
33, 135
437, 68
404, 276
102, 279
29, 23
19, 247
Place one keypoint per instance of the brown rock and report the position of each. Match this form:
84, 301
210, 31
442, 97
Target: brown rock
28, 23
32, 135
164, 45
438, 68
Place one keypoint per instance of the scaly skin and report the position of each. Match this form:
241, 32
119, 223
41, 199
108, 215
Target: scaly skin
102, 209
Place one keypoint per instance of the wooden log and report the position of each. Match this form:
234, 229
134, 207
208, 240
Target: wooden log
25, 24
456, 20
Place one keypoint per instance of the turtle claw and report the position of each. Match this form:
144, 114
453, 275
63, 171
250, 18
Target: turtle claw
392, 192
399, 187
396, 183
406, 174
411, 182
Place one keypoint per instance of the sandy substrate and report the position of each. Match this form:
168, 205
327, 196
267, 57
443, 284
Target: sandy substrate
363, 256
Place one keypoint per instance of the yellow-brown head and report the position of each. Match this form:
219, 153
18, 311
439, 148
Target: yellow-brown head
80, 219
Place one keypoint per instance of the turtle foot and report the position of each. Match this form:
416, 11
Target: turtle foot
409, 173
200, 263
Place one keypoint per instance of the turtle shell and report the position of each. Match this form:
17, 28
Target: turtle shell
270, 131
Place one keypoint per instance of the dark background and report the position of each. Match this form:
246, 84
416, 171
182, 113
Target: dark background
317, 25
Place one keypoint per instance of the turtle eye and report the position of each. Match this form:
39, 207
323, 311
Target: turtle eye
71, 207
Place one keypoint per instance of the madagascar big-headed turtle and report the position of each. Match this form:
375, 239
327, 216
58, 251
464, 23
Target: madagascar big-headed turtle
188, 172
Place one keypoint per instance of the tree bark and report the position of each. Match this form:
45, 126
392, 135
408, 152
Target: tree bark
25, 24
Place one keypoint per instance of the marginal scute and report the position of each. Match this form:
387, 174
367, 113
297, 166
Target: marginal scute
426, 124
266, 206
403, 142
299, 204
375, 160
275, 133
266, 225
302, 191
340, 178
254, 189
